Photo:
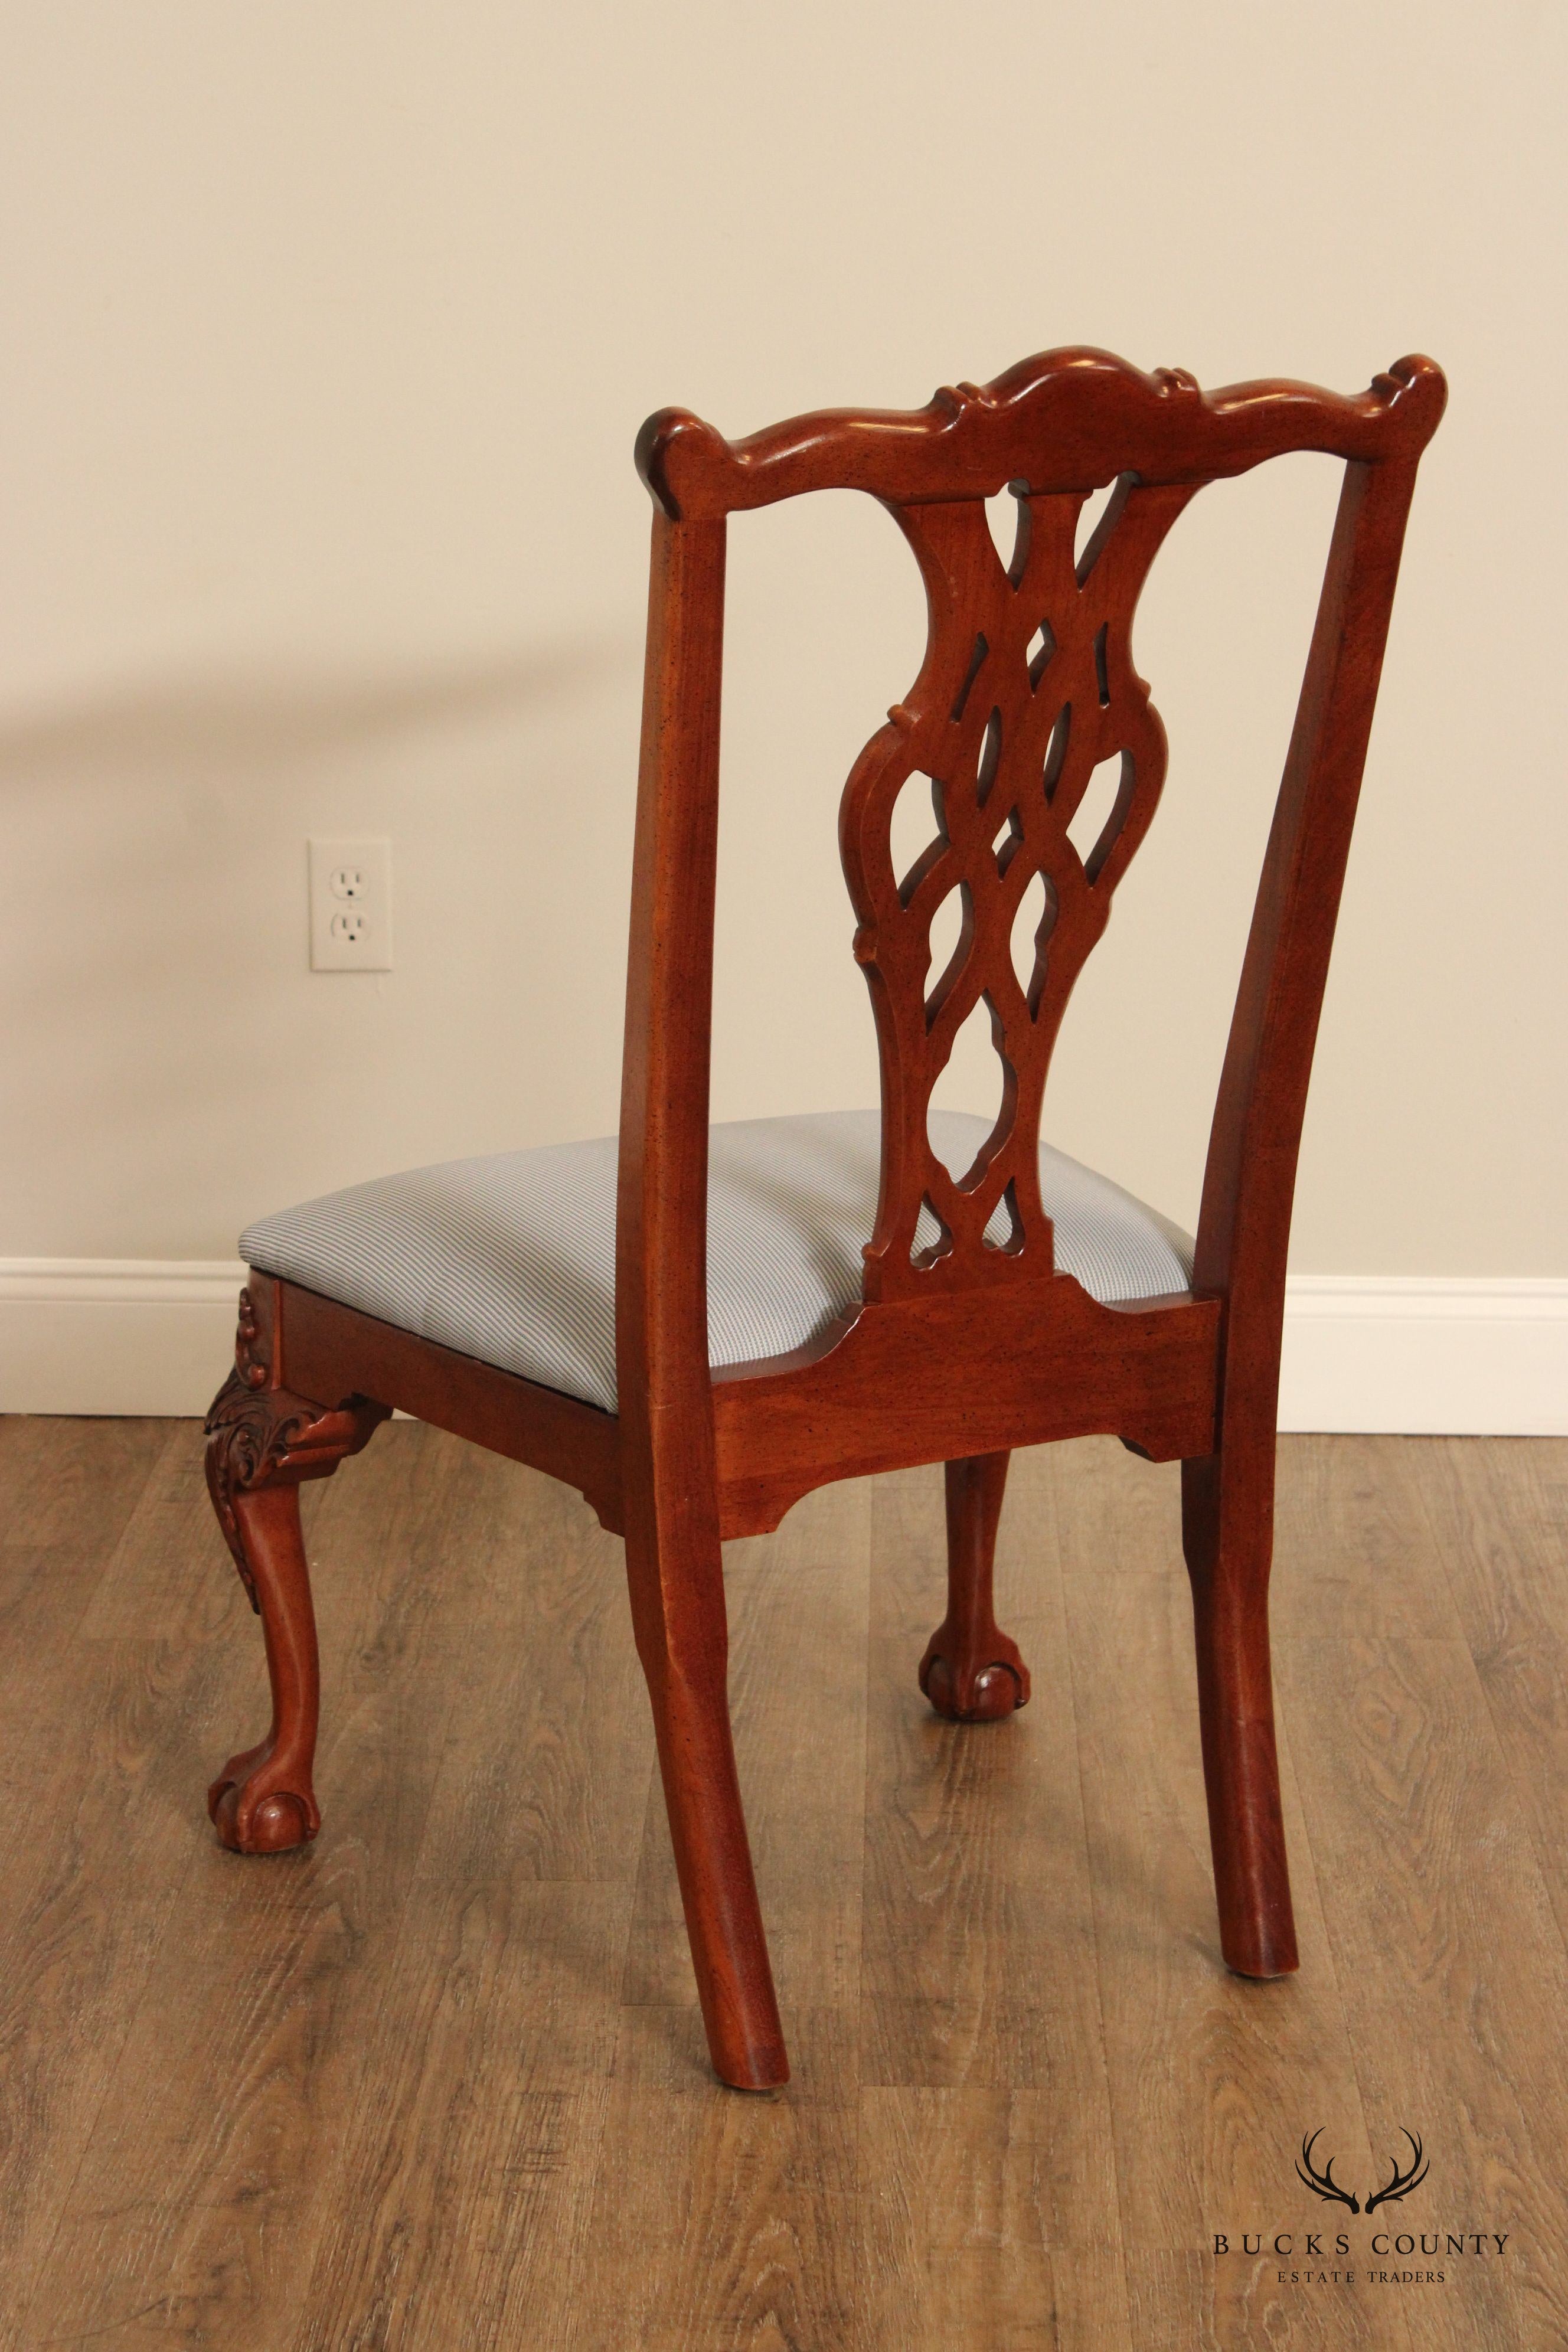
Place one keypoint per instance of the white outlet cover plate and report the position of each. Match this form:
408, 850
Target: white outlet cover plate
350, 905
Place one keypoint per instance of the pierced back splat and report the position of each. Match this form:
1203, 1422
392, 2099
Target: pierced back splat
1028, 686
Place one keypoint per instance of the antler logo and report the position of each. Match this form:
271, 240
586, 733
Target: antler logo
1325, 2186
1323, 2182
1402, 2183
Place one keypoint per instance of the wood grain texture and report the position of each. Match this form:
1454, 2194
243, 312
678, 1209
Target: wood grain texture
975, 1859
930, 1378
475, 2132
548, 1759
58, 1540
977, 2249
195, 2214
1356, 1552
1498, 1515
87, 1770
460, 2178
441, 2077
751, 2197
1208, 2072
1406, 1788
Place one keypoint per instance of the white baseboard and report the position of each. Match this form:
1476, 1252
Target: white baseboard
1414, 1354
1426, 1354
115, 1335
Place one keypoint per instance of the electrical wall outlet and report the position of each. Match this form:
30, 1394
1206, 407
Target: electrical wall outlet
350, 905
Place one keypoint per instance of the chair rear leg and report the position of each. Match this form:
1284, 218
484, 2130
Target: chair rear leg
678, 1606
262, 1442
972, 1671
1227, 1532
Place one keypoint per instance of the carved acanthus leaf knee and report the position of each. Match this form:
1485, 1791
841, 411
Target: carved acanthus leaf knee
265, 1437
262, 1436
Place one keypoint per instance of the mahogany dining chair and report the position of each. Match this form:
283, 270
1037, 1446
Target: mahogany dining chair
696, 1326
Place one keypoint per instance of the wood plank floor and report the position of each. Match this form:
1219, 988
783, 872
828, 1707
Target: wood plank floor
439, 2084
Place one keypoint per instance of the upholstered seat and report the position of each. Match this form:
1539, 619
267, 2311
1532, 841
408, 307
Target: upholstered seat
512, 1258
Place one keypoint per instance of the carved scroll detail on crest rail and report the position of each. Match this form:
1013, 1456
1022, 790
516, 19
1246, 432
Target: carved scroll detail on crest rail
1027, 688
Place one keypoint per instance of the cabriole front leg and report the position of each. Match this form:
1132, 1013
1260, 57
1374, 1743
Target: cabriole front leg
263, 1802
262, 1443
972, 1671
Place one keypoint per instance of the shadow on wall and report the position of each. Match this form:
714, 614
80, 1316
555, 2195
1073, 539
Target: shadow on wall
161, 1022
259, 719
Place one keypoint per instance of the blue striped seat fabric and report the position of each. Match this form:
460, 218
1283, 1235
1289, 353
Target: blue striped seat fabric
511, 1257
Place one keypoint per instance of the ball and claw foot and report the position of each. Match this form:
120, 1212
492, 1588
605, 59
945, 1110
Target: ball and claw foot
972, 1672
965, 1692
255, 1810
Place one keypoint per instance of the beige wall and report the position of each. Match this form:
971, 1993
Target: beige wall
329, 328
